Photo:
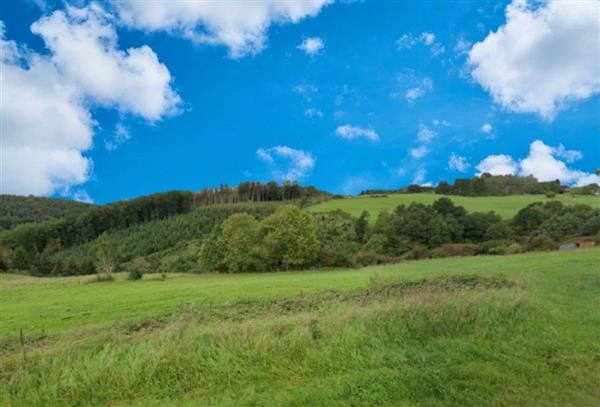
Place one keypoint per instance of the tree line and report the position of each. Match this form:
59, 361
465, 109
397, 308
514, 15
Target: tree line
293, 239
492, 185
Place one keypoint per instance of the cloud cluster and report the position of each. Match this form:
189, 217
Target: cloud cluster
419, 90
286, 163
458, 163
47, 125
243, 30
542, 163
350, 132
312, 46
542, 58
407, 41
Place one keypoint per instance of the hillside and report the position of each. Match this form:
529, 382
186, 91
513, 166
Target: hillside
505, 206
509, 330
15, 210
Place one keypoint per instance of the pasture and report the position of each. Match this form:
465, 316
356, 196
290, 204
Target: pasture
505, 206
509, 330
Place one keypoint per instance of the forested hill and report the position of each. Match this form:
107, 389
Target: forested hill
15, 210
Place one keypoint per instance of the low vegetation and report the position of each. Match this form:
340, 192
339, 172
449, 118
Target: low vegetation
516, 330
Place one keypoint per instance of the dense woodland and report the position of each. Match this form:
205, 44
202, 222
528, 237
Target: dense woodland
257, 229
15, 210
492, 185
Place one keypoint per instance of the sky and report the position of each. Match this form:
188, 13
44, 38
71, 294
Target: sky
103, 101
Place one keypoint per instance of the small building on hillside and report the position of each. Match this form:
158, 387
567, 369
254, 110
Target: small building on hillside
577, 244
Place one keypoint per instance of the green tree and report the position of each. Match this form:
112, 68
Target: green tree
361, 227
290, 238
106, 263
240, 240
20, 259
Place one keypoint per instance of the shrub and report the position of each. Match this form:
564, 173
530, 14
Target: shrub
459, 249
370, 258
140, 266
550, 194
541, 243
418, 252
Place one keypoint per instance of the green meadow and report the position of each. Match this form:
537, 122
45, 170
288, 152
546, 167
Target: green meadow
505, 206
472, 331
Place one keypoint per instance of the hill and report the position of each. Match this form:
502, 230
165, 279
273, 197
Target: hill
16, 210
505, 206
510, 330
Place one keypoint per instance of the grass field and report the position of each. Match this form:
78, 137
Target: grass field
505, 206
511, 330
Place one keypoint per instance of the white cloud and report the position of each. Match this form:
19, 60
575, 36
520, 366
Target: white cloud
540, 163
312, 46
542, 58
486, 128
46, 121
420, 90
427, 38
569, 156
419, 152
407, 41
425, 134
313, 112
419, 177
306, 90
242, 27
458, 163
462, 46
350, 132
287, 164
120, 136
498, 165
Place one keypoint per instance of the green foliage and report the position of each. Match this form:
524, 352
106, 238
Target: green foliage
139, 268
20, 259
16, 210
240, 245
338, 238
290, 238
361, 227
497, 185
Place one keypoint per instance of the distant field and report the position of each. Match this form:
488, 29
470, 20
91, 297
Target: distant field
511, 330
505, 206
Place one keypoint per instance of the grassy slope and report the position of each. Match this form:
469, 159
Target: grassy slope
505, 206
535, 341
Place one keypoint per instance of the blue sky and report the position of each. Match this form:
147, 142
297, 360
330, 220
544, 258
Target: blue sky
381, 94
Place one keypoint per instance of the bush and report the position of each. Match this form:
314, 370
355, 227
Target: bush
550, 194
458, 249
370, 258
418, 252
140, 266
541, 243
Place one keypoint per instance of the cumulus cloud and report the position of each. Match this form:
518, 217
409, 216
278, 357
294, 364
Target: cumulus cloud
286, 163
306, 90
242, 28
542, 163
458, 163
420, 90
312, 46
350, 132
500, 164
47, 125
486, 128
542, 58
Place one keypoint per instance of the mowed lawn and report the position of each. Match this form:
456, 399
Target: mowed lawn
505, 206
507, 330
